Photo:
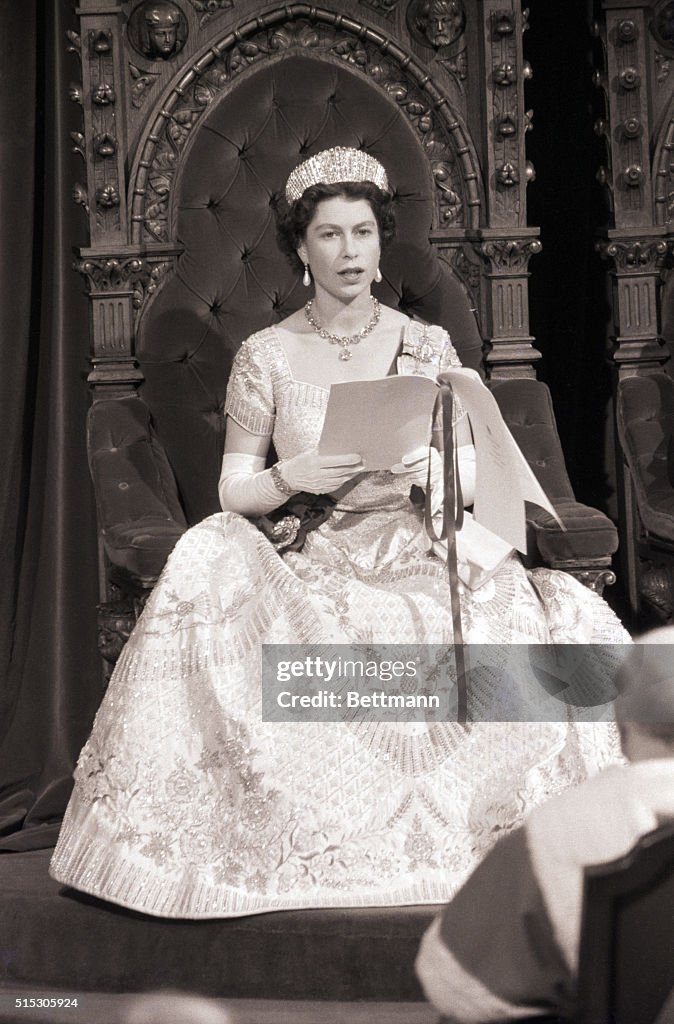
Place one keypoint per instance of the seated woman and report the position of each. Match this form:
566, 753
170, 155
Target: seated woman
187, 803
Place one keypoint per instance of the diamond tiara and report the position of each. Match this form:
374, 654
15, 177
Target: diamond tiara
332, 166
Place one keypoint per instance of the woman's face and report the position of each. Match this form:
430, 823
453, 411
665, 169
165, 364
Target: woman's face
342, 247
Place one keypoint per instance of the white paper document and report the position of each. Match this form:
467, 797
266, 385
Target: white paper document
504, 479
382, 419
385, 419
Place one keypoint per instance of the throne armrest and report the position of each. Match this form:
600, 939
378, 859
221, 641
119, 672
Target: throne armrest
589, 538
139, 510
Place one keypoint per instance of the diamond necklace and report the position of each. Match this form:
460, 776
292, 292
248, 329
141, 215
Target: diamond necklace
339, 339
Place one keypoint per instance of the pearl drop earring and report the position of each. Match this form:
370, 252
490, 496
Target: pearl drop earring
306, 279
377, 275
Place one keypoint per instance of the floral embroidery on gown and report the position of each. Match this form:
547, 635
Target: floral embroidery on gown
186, 804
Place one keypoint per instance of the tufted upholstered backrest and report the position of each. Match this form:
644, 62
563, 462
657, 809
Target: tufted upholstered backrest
231, 279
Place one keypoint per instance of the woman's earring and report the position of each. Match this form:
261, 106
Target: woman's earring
306, 280
377, 275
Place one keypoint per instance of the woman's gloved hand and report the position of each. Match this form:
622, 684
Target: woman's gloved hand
248, 488
320, 474
414, 467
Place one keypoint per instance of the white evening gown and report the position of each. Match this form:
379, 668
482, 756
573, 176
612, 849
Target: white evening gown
187, 804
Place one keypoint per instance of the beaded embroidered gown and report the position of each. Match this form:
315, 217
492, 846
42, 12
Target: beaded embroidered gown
187, 804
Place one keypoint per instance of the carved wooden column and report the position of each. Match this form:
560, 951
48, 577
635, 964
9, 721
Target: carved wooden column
120, 276
105, 264
637, 260
635, 243
506, 243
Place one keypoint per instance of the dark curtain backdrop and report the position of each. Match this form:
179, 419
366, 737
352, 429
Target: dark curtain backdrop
49, 667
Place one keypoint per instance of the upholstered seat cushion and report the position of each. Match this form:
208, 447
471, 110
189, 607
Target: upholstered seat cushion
588, 534
645, 414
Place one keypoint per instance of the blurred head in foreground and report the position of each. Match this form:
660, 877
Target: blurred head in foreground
644, 707
174, 1008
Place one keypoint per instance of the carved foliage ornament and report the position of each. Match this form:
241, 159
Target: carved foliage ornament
663, 66
109, 274
507, 126
79, 194
503, 23
505, 74
142, 80
664, 175
135, 274
100, 42
209, 8
75, 43
78, 144
103, 98
457, 67
185, 109
635, 256
510, 254
105, 145
464, 262
386, 7
507, 175
107, 196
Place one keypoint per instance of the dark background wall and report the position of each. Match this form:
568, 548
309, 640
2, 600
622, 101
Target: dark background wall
570, 315
49, 669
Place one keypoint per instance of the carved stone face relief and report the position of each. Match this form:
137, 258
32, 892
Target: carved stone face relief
157, 29
437, 23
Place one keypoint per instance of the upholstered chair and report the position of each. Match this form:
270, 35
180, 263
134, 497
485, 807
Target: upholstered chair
645, 418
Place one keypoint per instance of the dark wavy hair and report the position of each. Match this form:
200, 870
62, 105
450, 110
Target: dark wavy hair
294, 219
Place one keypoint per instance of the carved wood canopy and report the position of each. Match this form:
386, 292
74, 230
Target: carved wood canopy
156, 72
325, 35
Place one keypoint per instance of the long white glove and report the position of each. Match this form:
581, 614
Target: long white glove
246, 487
414, 466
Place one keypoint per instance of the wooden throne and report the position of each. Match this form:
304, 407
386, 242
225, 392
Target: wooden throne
635, 120
194, 112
